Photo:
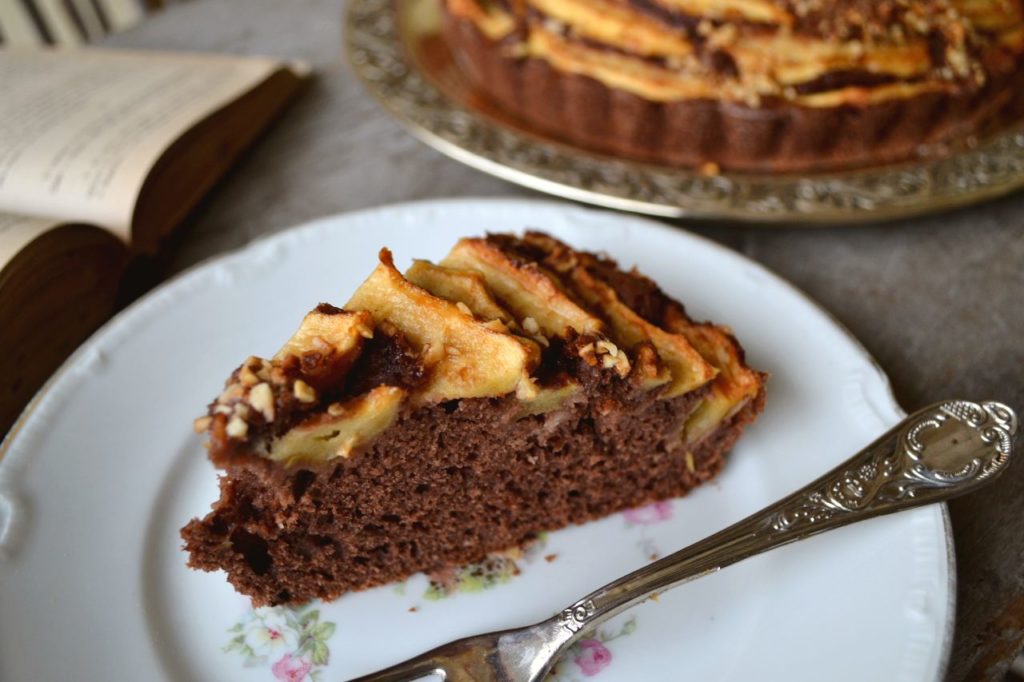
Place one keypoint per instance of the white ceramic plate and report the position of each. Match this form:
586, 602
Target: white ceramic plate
104, 469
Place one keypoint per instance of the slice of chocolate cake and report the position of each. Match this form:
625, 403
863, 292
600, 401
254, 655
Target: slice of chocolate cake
460, 409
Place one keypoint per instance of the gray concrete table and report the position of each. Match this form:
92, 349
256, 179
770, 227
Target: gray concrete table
937, 300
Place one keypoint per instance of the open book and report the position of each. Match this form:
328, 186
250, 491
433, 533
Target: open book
102, 154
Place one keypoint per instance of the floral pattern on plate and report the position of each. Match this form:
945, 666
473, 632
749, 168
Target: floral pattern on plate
641, 518
295, 640
649, 515
496, 569
292, 640
590, 655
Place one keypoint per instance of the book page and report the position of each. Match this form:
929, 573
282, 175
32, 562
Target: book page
17, 232
80, 129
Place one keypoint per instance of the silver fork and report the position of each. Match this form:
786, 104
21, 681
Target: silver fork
937, 453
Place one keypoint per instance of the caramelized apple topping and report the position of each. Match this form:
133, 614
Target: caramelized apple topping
649, 311
327, 344
499, 317
458, 286
524, 289
465, 357
263, 393
687, 368
549, 398
648, 368
735, 385
340, 430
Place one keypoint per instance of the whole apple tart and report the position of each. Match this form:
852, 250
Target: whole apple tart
755, 85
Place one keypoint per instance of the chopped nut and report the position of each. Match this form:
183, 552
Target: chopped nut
222, 409
277, 376
262, 399
690, 465
464, 308
304, 393
527, 389
612, 357
242, 410
237, 428
247, 376
608, 348
202, 424
335, 409
232, 392
647, 362
365, 331
564, 261
496, 326
531, 326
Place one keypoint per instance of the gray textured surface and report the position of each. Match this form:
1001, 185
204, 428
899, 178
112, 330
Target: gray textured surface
937, 300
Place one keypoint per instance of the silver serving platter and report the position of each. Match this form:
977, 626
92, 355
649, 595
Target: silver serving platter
395, 48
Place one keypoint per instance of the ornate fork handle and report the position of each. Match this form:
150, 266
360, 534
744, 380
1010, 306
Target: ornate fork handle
942, 451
